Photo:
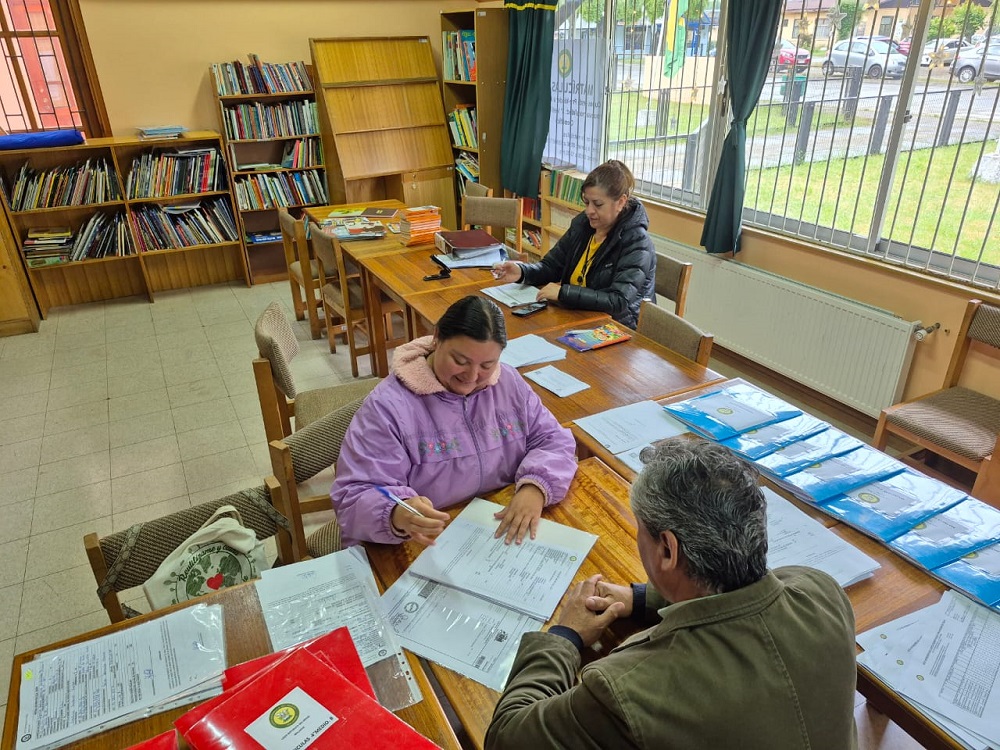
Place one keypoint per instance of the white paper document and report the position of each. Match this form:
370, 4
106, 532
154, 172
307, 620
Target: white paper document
557, 381
484, 260
313, 597
530, 577
99, 684
464, 633
793, 538
631, 426
531, 350
945, 660
512, 294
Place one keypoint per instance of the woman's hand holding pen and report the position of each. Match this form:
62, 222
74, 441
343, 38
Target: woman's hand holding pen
421, 528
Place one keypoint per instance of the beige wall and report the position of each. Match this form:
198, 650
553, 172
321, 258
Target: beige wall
152, 56
152, 59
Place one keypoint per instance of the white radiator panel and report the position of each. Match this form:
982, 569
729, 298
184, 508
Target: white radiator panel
852, 352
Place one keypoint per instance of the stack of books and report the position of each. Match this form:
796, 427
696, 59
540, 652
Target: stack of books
92, 181
464, 127
473, 248
467, 165
235, 78
161, 132
167, 227
155, 175
355, 228
46, 247
419, 225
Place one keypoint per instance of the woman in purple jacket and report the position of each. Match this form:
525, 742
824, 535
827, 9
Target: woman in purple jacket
449, 423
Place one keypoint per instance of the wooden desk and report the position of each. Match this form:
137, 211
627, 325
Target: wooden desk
597, 502
246, 638
622, 374
430, 307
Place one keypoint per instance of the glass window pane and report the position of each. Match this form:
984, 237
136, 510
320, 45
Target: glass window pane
28, 15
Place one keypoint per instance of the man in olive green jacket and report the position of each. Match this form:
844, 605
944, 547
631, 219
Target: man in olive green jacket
742, 658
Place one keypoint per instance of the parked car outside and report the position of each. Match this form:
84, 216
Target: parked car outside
904, 45
785, 55
876, 59
969, 62
893, 44
943, 51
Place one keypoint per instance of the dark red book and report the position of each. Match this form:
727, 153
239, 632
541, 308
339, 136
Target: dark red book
300, 701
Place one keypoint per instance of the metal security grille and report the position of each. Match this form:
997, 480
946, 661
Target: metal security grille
876, 130
37, 91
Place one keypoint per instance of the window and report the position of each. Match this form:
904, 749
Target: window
44, 83
853, 144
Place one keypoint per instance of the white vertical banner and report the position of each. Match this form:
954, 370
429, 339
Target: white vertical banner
576, 124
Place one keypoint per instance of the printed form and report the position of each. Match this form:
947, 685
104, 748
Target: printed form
633, 426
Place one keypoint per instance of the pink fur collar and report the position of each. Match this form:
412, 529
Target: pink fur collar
409, 365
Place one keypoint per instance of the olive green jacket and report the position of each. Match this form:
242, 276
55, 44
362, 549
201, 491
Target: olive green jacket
767, 667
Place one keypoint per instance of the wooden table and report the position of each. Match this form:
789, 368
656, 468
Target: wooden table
246, 638
597, 502
636, 370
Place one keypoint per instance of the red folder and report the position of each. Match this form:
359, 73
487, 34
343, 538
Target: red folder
300, 701
335, 648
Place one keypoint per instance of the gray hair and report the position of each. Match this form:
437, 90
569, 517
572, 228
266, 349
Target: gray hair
709, 498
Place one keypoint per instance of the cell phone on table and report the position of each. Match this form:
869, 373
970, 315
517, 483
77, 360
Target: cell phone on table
529, 309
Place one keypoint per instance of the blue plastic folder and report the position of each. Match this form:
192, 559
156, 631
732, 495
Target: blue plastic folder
732, 411
797, 456
977, 573
761, 441
840, 474
893, 506
947, 536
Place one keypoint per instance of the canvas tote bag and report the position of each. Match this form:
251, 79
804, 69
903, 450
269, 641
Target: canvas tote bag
222, 553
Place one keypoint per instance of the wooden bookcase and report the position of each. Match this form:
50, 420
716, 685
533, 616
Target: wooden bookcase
489, 29
556, 212
383, 122
267, 259
142, 273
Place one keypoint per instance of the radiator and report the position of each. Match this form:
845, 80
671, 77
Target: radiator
852, 352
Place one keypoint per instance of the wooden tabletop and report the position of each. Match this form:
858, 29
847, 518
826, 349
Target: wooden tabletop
403, 273
319, 213
246, 638
597, 502
432, 306
636, 370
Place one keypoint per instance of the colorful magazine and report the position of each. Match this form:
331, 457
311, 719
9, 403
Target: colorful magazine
595, 338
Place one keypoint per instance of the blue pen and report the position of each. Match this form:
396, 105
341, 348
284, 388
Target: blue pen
400, 502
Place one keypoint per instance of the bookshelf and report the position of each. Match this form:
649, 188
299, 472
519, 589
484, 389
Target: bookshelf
383, 122
270, 125
473, 84
559, 196
189, 196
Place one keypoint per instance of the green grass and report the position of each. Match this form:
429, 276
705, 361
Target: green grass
950, 215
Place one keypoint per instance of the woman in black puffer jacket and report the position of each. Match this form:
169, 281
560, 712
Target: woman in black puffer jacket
606, 260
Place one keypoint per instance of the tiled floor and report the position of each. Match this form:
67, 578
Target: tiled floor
123, 411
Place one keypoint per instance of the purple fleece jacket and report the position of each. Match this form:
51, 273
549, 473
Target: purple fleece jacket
414, 437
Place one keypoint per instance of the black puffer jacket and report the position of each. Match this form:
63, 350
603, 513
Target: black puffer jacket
621, 276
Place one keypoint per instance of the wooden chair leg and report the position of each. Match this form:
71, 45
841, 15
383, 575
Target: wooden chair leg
314, 325
331, 329
987, 486
297, 304
352, 346
881, 434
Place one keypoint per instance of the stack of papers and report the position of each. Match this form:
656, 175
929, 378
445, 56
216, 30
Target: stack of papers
944, 660
793, 538
311, 598
358, 228
82, 690
465, 602
625, 431
512, 294
485, 260
557, 381
530, 350
732, 410
161, 131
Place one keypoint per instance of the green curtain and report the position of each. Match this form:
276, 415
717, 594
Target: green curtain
529, 95
750, 34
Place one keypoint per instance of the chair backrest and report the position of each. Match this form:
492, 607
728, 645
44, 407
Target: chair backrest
672, 279
328, 250
477, 189
675, 333
277, 346
304, 454
493, 212
127, 559
982, 324
296, 246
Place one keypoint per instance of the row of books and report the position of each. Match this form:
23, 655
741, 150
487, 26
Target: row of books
566, 185
163, 173
419, 225
103, 236
91, 181
531, 208
259, 191
307, 152
953, 536
255, 121
258, 77
458, 51
208, 222
464, 126
468, 166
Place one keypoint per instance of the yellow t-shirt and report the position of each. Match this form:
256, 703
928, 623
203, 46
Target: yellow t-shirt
579, 277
